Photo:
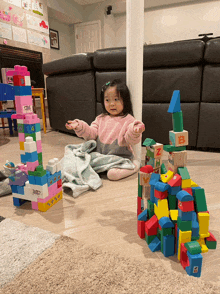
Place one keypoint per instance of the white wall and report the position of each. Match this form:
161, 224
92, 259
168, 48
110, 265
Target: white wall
174, 23
65, 39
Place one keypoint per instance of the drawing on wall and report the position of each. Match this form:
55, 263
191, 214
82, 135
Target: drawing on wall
26, 4
18, 19
15, 2
54, 39
37, 7
38, 39
37, 24
19, 34
5, 31
5, 15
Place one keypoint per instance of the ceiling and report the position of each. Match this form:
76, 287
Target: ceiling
87, 2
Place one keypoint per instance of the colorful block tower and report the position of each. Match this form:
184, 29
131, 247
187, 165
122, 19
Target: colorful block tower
171, 209
30, 181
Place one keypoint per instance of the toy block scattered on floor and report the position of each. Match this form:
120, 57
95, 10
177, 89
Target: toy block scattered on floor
29, 181
174, 219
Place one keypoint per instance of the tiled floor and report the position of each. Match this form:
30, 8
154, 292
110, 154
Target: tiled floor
106, 218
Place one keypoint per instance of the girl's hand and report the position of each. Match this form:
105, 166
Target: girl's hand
71, 125
139, 128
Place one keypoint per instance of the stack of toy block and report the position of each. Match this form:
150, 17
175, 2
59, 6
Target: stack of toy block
171, 209
30, 181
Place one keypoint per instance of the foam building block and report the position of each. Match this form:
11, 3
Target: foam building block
30, 181
176, 217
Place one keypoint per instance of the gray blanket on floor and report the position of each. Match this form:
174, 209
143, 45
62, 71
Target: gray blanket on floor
80, 166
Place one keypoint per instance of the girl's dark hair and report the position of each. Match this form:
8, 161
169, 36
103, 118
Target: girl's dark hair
124, 93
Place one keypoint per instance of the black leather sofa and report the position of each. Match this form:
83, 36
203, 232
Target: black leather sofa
193, 67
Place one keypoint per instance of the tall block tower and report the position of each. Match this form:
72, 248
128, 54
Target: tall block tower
30, 181
172, 214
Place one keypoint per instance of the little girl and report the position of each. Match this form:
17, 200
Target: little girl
115, 130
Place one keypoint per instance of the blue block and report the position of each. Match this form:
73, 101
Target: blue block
174, 190
6, 92
152, 197
185, 216
175, 102
195, 264
168, 245
29, 129
58, 175
21, 190
50, 180
154, 179
165, 222
143, 216
31, 157
155, 245
14, 188
184, 196
18, 202
195, 225
22, 91
31, 179
162, 187
23, 158
41, 180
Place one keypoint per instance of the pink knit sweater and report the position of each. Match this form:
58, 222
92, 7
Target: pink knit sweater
113, 134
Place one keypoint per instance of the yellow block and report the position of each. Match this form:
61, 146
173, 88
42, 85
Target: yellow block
45, 206
184, 237
201, 242
186, 183
193, 184
21, 145
167, 177
161, 209
203, 219
174, 214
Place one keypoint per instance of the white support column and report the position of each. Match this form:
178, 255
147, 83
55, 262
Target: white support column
134, 58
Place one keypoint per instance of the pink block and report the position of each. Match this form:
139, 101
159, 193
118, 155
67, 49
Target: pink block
24, 104
44, 200
39, 146
18, 116
52, 189
34, 205
22, 70
31, 119
21, 137
32, 165
23, 167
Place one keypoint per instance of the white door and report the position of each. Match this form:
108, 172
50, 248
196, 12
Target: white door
88, 36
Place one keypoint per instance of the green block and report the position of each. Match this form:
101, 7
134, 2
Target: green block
150, 205
20, 128
149, 142
183, 172
163, 169
140, 188
159, 234
171, 148
150, 213
167, 231
184, 225
149, 239
200, 200
193, 247
195, 238
150, 153
172, 202
40, 172
177, 118
211, 244
40, 159
31, 135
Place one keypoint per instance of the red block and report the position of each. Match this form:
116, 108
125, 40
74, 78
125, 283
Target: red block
189, 190
186, 206
176, 238
19, 80
141, 229
211, 237
138, 205
184, 260
147, 169
151, 226
59, 184
175, 181
160, 195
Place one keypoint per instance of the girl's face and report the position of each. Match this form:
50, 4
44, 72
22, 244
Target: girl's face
113, 102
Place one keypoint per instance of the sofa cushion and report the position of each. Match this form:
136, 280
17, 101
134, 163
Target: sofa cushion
73, 63
212, 51
155, 56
